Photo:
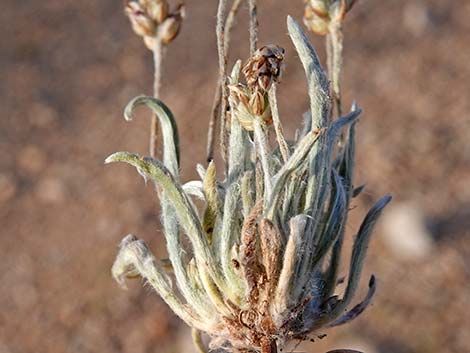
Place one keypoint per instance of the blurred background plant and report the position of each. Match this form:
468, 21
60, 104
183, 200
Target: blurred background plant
58, 124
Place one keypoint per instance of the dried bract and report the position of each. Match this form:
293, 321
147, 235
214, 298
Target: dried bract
248, 104
264, 67
142, 24
250, 101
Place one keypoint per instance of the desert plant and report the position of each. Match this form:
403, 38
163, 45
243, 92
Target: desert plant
262, 267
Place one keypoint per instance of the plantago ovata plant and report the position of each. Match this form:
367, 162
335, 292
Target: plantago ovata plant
262, 264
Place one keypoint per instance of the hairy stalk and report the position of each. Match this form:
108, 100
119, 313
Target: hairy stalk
220, 33
261, 144
277, 123
153, 21
334, 44
215, 111
253, 26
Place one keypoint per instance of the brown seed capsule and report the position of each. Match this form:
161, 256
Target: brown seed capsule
264, 67
257, 102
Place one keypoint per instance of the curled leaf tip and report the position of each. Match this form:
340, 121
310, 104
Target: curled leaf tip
130, 107
380, 204
290, 19
124, 265
109, 159
119, 157
129, 238
354, 106
372, 281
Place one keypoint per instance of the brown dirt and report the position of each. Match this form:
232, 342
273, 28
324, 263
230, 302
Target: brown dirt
69, 67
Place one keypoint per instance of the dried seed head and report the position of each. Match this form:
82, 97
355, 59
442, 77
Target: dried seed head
257, 102
264, 67
319, 7
249, 104
156, 9
152, 20
141, 22
315, 20
251, 101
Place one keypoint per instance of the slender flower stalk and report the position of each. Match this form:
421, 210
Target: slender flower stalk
157, 79
216, 105
152, 21
261, 264
253, 26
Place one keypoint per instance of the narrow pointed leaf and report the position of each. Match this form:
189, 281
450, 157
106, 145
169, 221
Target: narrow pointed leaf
359, 252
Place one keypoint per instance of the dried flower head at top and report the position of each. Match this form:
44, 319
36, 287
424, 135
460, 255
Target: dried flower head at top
251, 100
264, 67
151, 19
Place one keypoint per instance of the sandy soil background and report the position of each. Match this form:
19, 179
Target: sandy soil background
67, 70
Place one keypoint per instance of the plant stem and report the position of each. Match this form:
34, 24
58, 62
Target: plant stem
277, 123
197, 340
262, 150
157, 78
334, 49
220, 32
219, 105
253, 26
229, 23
